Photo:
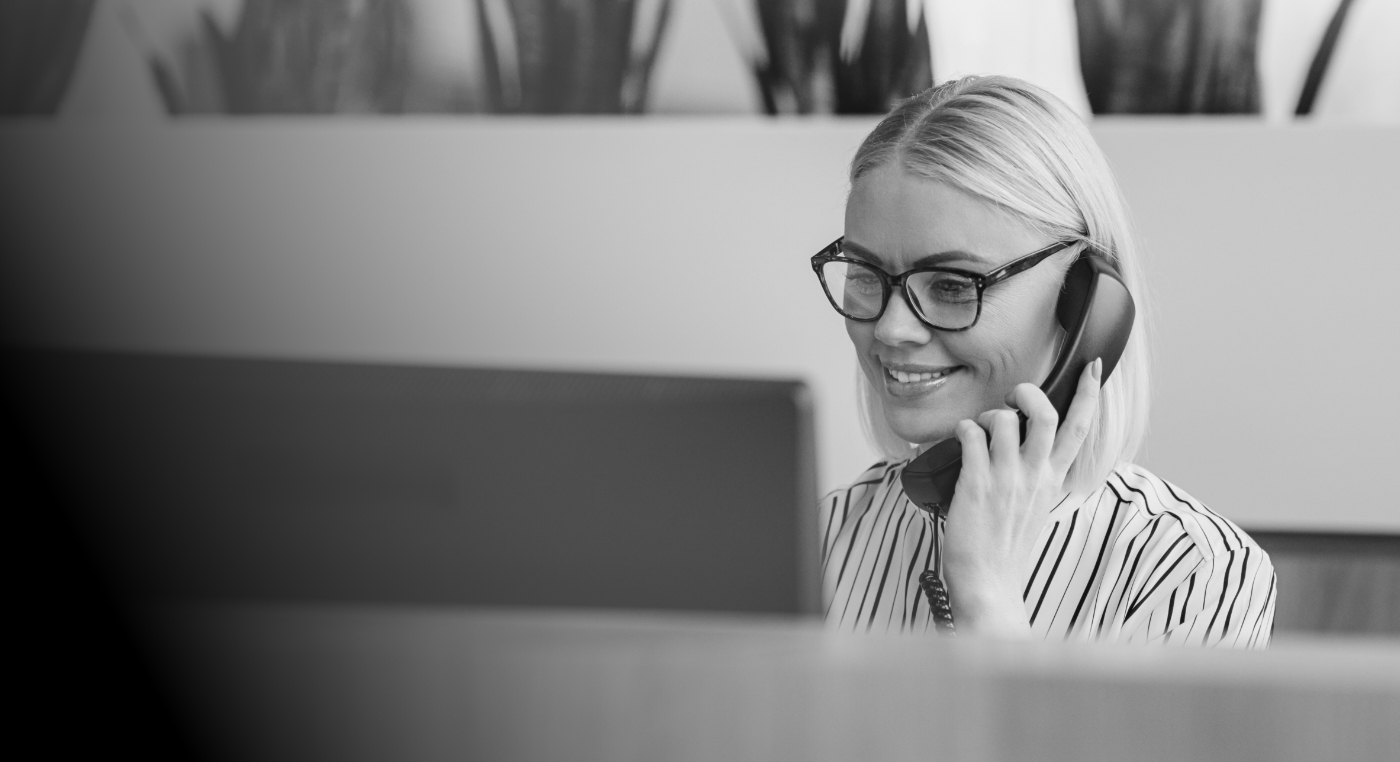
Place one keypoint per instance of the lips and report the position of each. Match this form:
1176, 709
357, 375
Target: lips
909, 377
905, 380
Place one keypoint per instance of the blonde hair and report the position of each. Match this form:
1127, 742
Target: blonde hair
1017, 146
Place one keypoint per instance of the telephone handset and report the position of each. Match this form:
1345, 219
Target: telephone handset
1096, 311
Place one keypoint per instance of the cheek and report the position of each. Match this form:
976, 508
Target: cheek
862, 336
990, 348
858, 335
1006, 347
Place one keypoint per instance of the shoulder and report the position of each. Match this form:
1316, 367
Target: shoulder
1168, 511
1179, 571
881, 475
853, 498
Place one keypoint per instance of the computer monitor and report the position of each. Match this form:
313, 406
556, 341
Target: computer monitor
259, 479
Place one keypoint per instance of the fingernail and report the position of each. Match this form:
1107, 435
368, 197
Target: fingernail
1098, 368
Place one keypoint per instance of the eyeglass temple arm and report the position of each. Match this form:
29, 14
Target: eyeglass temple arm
1024, 263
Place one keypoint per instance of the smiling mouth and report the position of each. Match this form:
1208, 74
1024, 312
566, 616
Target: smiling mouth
912, 385
903, 377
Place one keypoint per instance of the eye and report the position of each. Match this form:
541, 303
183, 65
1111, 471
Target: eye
863, 280
945, 288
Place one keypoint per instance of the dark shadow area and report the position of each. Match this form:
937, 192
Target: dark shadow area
1335, 583
84, 689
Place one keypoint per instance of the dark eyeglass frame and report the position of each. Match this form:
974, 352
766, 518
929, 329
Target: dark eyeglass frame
833, 253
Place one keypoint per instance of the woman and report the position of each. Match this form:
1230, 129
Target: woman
1059, 537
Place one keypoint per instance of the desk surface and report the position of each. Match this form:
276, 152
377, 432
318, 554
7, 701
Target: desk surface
274, 682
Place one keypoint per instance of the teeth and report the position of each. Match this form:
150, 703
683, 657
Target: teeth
909, 378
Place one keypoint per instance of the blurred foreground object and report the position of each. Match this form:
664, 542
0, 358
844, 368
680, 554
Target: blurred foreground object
219, 478
349, 683
569, 56
293, 57
839, 56
82, 667
1170, 56
39, 45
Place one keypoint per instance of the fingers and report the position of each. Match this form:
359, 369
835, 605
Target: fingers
1005, 429
974, 447
1080, 417
1042, 419
1000, 430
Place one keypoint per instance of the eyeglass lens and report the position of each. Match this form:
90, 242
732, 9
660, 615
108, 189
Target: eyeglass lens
943, 299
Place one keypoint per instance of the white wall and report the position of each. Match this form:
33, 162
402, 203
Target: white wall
1274, 270
682, 245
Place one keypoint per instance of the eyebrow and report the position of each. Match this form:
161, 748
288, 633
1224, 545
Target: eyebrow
938, 258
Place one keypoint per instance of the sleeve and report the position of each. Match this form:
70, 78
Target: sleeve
1224, 601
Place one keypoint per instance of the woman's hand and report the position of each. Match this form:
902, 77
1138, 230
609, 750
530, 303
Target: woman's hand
1003, 497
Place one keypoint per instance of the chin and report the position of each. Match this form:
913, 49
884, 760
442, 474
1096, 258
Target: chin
921, 432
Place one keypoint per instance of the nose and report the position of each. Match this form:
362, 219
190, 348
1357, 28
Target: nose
899, 324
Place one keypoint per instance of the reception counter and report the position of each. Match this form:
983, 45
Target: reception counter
342, 682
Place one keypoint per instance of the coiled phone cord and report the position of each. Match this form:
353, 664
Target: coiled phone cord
938, 601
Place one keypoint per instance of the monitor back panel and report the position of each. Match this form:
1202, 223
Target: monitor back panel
284, 480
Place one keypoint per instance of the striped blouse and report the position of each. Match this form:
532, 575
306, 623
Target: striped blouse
1135, 561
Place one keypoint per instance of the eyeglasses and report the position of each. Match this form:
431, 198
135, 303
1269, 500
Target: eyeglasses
945, 298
